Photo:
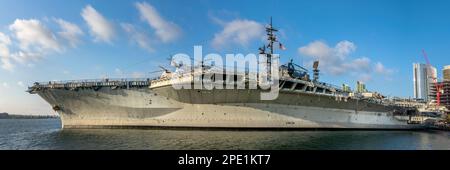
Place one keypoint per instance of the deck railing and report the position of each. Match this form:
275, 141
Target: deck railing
94, 83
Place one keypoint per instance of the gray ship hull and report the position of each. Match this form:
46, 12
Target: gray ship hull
301, 102
166, 107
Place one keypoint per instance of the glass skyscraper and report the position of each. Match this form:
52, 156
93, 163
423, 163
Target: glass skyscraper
423, 76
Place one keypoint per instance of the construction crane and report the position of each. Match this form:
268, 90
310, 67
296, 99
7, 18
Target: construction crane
438, 86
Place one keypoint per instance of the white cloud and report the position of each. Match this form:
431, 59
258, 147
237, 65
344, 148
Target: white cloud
6, 64
32, 41
344, 48
4, 50
137, 36
337, 61
333, 60
5, 41
20, 83
69, 31
359, 64
99, 26
215, 19
23, 57
239, 32
221, 16
5, 85
364, 77
166, 31
317, 48
34, 36
381, 69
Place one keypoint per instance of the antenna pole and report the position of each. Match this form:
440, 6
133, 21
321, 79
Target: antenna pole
272, 39
271, 36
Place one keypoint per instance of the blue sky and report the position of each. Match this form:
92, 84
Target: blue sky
371, 40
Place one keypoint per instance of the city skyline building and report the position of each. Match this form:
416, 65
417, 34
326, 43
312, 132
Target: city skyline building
446, 73
423, 76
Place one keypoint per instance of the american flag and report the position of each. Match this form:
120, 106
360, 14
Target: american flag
282, 47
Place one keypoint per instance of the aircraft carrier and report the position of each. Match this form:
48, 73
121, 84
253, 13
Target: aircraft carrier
302, 102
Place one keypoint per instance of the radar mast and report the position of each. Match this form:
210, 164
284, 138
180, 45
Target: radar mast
272, 39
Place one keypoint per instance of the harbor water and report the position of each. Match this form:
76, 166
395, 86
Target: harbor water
47, 134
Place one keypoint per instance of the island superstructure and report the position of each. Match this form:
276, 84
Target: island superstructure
303, 102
